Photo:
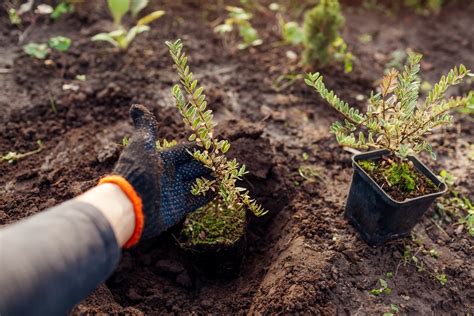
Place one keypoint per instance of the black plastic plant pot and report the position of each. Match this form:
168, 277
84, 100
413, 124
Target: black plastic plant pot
376, 216
217, 261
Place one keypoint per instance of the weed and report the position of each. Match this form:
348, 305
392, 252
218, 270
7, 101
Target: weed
455, 206
322, 40
126, 141
383, 289
395, 119
121, 38
238, 17
442, 278
192, 106
310, 173
393, 310
60, 43
14, 17
41, 51
63, 7
424, 7
413, 254
13, 157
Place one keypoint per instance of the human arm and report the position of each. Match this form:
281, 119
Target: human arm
52, 260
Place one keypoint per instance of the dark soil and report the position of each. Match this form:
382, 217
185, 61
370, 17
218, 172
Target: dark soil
303, 257
400, 192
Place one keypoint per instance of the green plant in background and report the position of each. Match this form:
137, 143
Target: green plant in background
415, 254
14, 17
291, 32
41, 51
383, 289
322, 40
240, 18
393, 310
60, 43
63, 7
395, 119
424, 7
12, 156
121, 37
456, 206
230, 200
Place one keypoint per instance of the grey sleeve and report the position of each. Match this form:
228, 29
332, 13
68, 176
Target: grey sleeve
52, 260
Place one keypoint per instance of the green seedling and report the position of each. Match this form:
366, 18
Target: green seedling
455, 206
125, 141
309, 173
14, 17
383, 289
442, 278
192, 105
13, 157
322, 40
240, 19
414, 254
41, 51
60, 43
395, 118
393, 310
424, 7
121, 38
63, 7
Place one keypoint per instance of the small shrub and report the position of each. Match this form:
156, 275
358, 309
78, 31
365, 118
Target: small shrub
121, 38
230, 200
322, 40
395, 119
240, 19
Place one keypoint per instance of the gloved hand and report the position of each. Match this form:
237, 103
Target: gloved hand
162, 179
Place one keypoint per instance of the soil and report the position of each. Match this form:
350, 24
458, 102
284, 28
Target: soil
422, 184
303, 257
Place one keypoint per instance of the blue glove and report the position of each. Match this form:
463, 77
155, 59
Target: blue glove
162, 179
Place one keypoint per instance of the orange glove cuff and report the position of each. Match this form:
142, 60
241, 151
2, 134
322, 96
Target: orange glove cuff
137, 206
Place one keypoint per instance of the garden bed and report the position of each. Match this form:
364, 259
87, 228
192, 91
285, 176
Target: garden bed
303, 256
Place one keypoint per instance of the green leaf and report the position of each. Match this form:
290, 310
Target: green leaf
62, 8
118, 8
106, 38
60, 43
39, 51
147, 19
134, 31
136, 6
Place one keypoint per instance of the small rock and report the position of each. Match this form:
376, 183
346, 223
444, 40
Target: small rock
184, 280
169, 266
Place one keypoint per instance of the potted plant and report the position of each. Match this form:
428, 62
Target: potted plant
214, 235
391, 189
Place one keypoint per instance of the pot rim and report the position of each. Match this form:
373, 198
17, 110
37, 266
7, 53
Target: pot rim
426, 172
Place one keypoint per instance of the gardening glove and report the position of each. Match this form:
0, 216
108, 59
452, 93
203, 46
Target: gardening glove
162, 179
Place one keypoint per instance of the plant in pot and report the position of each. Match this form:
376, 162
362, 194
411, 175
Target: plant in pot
391, 189
214, 235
